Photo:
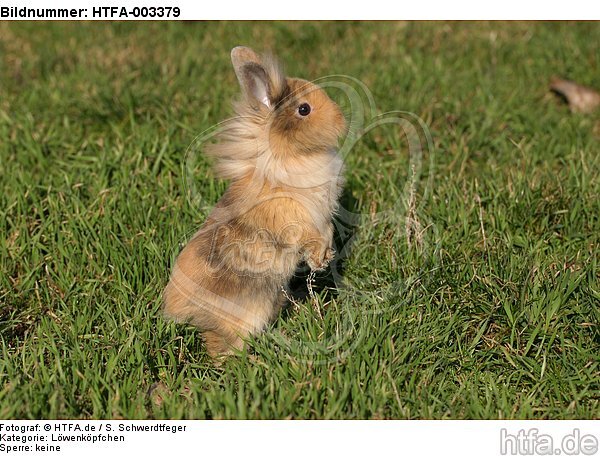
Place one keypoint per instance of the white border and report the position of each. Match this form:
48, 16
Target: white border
302, 438
348, 9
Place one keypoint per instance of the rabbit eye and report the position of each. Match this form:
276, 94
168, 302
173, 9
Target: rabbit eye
304, 109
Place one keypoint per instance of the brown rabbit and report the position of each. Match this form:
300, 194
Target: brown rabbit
286, 176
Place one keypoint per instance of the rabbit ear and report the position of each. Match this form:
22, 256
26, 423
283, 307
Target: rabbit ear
240, 56
255, 83
259, 80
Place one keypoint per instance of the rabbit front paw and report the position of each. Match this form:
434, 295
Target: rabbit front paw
321, 261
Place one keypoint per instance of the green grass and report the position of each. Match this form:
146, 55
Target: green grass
491, 311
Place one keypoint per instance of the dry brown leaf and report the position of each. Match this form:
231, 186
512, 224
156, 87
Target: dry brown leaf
157, 392
580, 98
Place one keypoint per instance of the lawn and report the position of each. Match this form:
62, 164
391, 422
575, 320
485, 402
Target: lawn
470, 284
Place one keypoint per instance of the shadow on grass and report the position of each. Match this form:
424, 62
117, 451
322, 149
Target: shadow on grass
328, 282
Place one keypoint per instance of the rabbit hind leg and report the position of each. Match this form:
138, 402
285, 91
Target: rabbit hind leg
219, 345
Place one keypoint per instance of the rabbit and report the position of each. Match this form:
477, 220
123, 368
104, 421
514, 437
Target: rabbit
280, 156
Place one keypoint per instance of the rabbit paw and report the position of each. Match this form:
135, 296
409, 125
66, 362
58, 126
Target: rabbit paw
323, 260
